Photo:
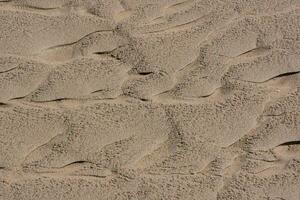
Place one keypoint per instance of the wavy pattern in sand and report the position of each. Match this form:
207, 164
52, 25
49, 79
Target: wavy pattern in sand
131, 99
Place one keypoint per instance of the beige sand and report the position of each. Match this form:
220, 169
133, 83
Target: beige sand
149, 99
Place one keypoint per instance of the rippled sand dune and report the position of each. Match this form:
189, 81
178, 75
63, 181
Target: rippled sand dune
149, 99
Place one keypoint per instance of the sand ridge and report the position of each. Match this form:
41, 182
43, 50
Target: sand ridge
136, 99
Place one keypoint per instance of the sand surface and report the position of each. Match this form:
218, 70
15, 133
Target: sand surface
149, 99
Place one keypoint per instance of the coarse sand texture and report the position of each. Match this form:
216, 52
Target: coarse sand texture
149, 99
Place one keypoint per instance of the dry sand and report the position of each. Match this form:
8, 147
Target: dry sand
149, 99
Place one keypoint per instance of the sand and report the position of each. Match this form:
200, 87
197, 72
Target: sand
149, 100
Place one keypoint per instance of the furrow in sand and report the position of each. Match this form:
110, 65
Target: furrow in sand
72, 43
